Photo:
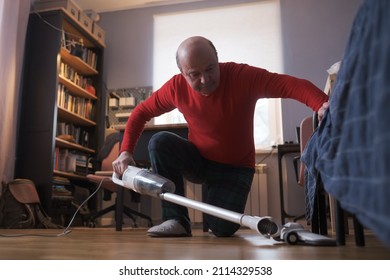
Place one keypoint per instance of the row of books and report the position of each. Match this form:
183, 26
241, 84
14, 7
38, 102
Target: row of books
78, 134
81, 106
77, 48
67, 160
71, 74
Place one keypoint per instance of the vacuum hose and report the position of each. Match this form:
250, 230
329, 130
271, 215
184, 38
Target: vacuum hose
145, 182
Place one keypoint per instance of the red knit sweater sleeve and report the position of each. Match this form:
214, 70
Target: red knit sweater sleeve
298, 89
157, 104
265, 84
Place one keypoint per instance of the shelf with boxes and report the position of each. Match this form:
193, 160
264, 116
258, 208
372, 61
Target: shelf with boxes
121, 103
62, 116
74, 11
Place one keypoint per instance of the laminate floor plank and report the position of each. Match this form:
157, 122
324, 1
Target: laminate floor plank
133, 244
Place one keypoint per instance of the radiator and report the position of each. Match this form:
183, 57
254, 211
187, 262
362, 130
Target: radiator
257, 203
194, 191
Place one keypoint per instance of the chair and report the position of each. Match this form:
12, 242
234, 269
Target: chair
319, 220
306, 129
103, 165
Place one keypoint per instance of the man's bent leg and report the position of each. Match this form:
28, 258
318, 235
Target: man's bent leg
174, 157
228, 188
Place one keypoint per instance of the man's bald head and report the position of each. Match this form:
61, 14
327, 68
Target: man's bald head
197, 60
193, 47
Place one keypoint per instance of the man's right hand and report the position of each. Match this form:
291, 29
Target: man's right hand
122, 162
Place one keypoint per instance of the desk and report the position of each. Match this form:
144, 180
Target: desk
282, 151
141, 154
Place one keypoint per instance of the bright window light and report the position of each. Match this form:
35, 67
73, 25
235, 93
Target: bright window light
244, 33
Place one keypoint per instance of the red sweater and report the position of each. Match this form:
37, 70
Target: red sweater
221, 125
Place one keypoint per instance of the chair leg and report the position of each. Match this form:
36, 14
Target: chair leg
319, 219
102, 212
340, 224
322, 214
359, 232
315, 220
119, 209
130, 212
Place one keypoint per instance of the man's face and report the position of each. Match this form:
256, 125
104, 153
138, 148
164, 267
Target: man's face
202, 72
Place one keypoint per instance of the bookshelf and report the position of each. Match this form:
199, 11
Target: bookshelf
62, 111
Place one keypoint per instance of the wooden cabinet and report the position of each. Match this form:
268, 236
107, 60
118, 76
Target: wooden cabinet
59, 110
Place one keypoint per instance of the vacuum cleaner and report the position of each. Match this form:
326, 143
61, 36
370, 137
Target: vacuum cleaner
145, 182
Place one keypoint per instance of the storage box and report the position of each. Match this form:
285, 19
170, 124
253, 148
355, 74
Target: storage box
113, 103
127, 102
86, 21
98, 33
72, 9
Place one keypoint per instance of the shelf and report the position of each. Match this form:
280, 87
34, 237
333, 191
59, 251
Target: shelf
75, 89
75, 62
73, 27
71, 117
68, 145
68, 175
50, 101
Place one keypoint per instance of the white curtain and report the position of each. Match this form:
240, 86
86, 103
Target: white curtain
13, 25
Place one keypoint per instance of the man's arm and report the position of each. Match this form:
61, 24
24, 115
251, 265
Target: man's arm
266, 84
158, 103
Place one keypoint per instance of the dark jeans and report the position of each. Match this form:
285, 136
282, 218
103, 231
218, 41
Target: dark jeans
228, 186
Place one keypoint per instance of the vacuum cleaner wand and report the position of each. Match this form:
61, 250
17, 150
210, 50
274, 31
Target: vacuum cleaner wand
145, 182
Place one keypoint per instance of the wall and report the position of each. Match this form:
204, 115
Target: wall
129, 38
315, 33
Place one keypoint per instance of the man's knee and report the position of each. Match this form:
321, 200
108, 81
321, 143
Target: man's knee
160, 139
222, 228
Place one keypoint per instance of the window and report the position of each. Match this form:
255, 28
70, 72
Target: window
245, 33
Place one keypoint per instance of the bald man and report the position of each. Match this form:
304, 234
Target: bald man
218, 102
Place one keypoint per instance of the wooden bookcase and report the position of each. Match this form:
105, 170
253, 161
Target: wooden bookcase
43, 109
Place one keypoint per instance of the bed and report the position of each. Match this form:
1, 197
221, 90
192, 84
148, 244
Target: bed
350, 149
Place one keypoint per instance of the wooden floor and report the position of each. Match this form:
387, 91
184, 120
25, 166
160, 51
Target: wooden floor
134, 244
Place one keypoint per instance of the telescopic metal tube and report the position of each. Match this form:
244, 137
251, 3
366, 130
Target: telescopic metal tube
145, 182
263, 225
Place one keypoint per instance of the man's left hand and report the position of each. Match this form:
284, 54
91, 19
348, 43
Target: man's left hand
322, 110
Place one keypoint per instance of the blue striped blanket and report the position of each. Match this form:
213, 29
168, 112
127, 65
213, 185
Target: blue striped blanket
350, 149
